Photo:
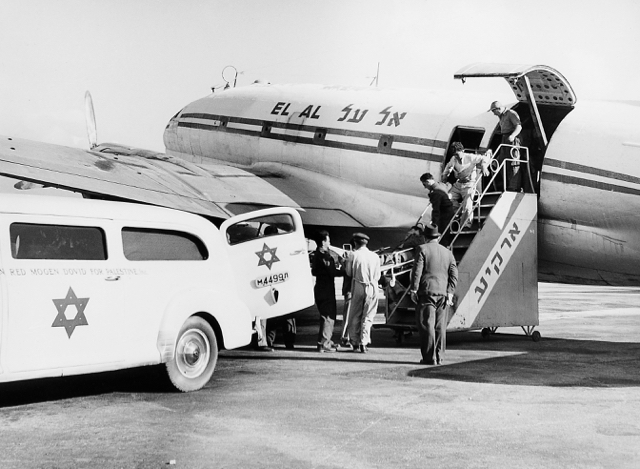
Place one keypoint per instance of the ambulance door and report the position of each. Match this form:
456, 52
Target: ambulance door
63, 308
268, 253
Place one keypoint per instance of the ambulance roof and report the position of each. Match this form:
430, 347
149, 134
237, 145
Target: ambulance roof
100, 209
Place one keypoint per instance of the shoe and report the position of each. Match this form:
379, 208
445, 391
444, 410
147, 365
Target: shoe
323, 349
264, 348
363, 348
355, 348
465, 227
423, 362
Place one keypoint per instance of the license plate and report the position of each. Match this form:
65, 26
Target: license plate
271, 279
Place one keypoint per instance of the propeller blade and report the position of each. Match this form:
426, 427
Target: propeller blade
92, 128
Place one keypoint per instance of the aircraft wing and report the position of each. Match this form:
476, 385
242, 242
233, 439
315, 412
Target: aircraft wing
138, 175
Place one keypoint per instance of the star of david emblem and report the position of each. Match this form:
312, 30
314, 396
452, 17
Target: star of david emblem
271, 256
61, 305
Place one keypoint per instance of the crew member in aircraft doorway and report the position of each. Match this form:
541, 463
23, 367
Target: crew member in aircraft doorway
364, 267
510, 128
433, 282
325, 267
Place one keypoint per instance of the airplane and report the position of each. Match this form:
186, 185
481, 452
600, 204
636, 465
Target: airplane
350, 160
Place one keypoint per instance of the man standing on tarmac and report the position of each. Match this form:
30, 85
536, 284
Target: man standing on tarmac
325, 267
433, 283
441, 206
364, 267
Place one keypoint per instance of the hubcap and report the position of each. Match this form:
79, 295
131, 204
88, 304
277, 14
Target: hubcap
192, 353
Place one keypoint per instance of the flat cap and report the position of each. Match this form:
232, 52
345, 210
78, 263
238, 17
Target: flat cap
495, 105
360, 236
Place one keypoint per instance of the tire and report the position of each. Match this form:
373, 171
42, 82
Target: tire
195, 355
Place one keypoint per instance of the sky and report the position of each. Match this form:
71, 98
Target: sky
143, 60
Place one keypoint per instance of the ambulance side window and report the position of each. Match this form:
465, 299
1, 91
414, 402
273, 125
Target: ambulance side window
37, 241
259, 227
144, 244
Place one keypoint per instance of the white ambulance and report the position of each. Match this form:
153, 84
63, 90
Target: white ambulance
89, 286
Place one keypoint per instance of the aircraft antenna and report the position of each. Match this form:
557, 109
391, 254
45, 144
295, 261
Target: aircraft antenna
235, 76
90, 116
375, 79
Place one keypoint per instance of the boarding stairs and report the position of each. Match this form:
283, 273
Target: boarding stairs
496, 258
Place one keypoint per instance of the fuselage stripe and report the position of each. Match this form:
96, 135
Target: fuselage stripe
590, 170
224, 121
565, 179
290, 126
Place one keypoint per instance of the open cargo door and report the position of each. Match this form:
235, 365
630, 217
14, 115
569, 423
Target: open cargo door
535, 85
541, 90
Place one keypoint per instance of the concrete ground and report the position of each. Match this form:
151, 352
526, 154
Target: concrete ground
570, 400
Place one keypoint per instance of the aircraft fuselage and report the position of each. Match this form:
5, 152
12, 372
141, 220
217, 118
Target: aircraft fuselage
352, 159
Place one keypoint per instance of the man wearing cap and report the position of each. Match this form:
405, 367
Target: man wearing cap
364, 268
464, 167
510, 128
433, 282
441, 206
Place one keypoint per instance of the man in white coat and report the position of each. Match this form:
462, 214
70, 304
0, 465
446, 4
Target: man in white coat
364, 267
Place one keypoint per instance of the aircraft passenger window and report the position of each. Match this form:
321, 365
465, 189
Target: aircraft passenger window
143, 244
270, 225
384, 144
36, 241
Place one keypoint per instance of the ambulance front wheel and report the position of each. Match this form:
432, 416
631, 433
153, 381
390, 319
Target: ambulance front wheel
195, 357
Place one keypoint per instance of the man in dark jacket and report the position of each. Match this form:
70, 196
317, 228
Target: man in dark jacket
433, 282
326, 267
442, 210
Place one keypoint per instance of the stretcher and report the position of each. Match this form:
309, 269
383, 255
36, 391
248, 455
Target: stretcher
398, 311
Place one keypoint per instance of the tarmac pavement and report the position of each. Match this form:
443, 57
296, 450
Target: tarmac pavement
570, 400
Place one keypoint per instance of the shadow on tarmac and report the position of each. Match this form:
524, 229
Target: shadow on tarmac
148, 379
502, 358
550, 362
511, 359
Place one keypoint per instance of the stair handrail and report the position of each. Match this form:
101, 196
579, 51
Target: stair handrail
497, 168
398, 261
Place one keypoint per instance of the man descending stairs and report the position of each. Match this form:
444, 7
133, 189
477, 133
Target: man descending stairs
497, 262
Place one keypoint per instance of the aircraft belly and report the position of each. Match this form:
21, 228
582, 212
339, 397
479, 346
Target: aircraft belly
588, 235
363, 207
341, 188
